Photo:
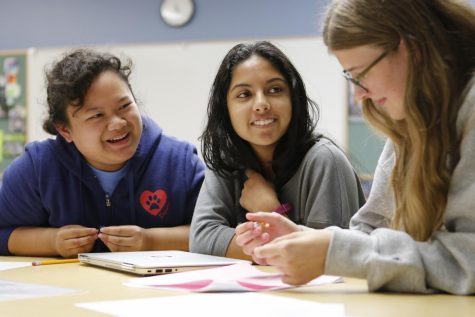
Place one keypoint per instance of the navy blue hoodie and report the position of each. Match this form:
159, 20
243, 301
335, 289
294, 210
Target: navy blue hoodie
52, 185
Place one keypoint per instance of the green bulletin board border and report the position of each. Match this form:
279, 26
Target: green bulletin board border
13, 105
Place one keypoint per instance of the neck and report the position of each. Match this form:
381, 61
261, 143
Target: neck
269, 172
265, 156
266, 163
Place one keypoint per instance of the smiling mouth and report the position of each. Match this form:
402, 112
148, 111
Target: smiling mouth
263, 122
119, 138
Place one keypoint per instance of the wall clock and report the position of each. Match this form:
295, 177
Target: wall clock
177, 13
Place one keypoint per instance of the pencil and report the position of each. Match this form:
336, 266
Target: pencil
47, 262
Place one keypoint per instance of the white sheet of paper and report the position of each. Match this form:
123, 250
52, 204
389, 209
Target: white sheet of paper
216, 305
241, 277
12, 290
13, 265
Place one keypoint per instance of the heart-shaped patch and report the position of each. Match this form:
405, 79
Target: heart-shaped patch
154, 202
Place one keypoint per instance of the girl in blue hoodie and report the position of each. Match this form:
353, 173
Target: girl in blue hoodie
110, 180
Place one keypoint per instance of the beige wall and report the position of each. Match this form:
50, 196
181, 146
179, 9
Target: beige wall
173, 80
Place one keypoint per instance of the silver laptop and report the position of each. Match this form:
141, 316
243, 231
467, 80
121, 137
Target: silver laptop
155, 262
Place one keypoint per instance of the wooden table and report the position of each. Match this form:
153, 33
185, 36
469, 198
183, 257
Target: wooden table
95, 284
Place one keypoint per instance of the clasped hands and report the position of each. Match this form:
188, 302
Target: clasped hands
71, 240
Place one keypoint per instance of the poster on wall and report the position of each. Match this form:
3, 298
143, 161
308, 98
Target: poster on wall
355, 110
13, 107
364, 144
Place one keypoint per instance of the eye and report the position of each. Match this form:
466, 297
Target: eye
275, 89
95, 116
243, 94
126, 105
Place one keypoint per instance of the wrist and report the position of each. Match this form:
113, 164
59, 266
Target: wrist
283, 209
147, 240
267, 205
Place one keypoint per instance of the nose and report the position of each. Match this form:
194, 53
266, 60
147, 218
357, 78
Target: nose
261, 103
116, 123
360, 93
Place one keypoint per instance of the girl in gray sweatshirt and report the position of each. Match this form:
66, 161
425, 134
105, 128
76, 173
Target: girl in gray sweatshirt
412, 64
262, 153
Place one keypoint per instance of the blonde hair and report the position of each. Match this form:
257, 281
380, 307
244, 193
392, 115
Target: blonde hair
440, 40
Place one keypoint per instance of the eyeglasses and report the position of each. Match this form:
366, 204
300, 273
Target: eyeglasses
357, 80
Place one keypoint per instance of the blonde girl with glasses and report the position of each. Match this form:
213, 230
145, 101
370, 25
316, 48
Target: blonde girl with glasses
416, 233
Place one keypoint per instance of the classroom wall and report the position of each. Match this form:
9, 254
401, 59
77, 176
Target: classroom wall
174, 66
172, 82
63, 23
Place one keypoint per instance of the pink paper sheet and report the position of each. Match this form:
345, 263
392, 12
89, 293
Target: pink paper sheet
242, 277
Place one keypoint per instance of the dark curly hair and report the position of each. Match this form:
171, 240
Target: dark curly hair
224, 152
69, 79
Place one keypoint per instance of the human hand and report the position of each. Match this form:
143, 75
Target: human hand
269, 227
258, 194
300, 256
71, 240
124, 238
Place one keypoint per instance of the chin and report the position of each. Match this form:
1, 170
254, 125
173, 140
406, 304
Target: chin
397, 116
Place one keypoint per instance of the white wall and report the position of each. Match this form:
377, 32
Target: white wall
173, 80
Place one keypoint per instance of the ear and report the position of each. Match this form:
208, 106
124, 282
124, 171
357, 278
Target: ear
64, 131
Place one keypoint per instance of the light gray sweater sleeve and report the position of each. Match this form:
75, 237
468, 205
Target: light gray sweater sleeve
214, 219
325, 190
392, 260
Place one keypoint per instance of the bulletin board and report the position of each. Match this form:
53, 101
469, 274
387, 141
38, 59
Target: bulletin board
364, 144
13, 106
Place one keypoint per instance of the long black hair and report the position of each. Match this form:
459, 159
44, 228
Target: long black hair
224, 152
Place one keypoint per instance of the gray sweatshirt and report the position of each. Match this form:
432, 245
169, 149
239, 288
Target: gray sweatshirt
324, 192
390, 259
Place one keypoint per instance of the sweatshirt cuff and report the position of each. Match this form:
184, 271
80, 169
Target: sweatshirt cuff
4, 237
305, 228
223, 242
348, 253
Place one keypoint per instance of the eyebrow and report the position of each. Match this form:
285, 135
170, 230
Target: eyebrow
268, 82
95, 108
353, 68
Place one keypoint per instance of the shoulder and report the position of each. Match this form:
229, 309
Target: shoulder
217, 186
38, 154
387, 158
174, 154
325, 152
466, 114
178, 151
41, 147
173, 143
42, 151
213, 178
167, 144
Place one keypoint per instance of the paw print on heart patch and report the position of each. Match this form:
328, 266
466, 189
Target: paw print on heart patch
154, 203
